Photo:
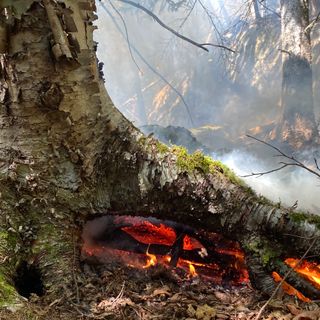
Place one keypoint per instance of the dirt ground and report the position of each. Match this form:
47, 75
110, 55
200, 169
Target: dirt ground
118, 292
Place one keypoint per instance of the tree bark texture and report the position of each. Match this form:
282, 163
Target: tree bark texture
297, 126
67, 155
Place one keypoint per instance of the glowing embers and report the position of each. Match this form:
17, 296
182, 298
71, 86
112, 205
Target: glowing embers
147, 242
309, 270
288, 288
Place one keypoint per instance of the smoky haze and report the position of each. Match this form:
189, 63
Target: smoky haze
225, 94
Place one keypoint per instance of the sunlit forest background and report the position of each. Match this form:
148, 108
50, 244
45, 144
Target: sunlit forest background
158, 80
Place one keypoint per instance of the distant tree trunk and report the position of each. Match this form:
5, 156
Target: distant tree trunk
256, 10
67, 154
298, 125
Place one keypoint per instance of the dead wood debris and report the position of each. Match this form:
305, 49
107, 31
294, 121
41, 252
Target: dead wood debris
121, 293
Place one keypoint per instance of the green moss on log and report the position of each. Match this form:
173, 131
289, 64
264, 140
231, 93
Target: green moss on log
266, 253
301, 217
162, 148
9, 297
201, 162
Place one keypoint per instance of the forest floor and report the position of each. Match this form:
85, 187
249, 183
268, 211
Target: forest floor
117, 292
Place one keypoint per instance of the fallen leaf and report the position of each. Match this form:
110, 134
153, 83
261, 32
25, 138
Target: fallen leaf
205, 312
293, 309
161, 291
223, 297
308, 315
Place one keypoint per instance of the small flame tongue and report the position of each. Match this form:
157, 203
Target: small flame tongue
152, 260
192, 270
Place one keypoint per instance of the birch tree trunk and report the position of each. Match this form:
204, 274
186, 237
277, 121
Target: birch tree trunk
67, 154
298, 126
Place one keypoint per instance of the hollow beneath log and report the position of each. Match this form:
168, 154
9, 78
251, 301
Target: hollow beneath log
146, 242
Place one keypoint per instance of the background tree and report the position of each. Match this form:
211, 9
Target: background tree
298, 124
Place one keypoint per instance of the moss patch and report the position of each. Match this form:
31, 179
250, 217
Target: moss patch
262, 248
162, 148
301, 217
8, 294
198, 161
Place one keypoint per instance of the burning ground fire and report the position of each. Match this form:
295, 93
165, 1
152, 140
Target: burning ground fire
147, 243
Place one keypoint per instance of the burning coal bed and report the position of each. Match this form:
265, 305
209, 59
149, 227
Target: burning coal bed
150, 243
145, 243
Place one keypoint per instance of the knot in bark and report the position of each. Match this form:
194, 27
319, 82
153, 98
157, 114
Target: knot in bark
51, 96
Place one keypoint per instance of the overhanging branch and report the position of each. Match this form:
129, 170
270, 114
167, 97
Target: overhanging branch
162, 24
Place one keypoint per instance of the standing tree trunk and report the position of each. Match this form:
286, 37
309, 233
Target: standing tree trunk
67, 154
297, 126
256, 10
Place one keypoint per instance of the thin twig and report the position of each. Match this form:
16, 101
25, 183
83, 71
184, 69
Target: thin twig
180, 27
73, 269
218, 46
295, 162
312, 23
283, 280
266, 7
127, 34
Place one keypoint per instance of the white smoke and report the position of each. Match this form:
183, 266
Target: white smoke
285, 186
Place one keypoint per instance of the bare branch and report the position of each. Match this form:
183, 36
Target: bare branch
127, 34
267, 8
180, 26
312, 23
295, 162
218, 46
162, 24
316, 163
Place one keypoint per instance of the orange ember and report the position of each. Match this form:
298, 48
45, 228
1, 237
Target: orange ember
191, 243
147, 232
232, 252
289, 289
309, 270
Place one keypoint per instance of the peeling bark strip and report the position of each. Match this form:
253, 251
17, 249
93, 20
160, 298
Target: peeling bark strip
3, 34
61, 46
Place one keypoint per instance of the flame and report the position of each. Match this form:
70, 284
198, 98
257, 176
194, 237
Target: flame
309, 270
151, 262
289, 289
192, 270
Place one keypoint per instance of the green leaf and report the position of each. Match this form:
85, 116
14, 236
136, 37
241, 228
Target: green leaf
19, 6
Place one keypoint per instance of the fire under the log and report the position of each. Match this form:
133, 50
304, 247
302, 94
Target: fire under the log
148, 242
